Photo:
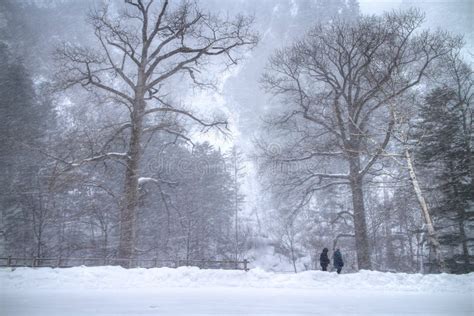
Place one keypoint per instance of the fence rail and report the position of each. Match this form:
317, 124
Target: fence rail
123, 262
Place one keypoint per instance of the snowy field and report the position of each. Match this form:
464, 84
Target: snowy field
191, 291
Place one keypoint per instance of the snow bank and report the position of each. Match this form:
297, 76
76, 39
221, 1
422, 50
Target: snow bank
119, 278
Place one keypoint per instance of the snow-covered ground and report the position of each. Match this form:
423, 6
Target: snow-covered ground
191, 291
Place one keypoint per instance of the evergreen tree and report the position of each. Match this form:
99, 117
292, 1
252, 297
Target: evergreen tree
25, 116
22, 126
445, 146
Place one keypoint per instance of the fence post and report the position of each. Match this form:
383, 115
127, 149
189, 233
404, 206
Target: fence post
58, 264
245, 265
33, 263
9, 261
155, 262
130, 263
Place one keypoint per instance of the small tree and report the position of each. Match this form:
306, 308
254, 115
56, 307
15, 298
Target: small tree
237, 171
286, 235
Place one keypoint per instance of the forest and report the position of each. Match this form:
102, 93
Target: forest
230, 130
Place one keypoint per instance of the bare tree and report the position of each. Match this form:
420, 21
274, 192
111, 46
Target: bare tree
286, 235
140, 50
337, 84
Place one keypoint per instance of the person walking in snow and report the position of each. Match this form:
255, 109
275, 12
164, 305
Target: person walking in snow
337, 259
324, 259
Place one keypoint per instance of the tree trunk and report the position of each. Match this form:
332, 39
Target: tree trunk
130, 202
105, 245
467, 131
236, 206
465, 248
389, 250
293, 257
432, 237
461, 215
360, 224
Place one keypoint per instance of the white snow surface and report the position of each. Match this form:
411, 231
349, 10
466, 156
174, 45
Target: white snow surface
192, 291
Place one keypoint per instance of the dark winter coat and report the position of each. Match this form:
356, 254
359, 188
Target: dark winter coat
338, 263
323, 258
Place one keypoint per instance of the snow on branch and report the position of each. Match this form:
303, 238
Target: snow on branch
143, 180
101, 157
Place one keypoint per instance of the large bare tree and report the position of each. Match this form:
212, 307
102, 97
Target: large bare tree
337, 84
139, 51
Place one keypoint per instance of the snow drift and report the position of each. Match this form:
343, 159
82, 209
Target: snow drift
116, 277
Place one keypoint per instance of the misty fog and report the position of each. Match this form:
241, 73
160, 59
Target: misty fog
231, 145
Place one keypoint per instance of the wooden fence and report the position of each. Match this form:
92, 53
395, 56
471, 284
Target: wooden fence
126, 263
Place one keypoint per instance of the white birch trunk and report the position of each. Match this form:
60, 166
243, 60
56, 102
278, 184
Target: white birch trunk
432, 237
